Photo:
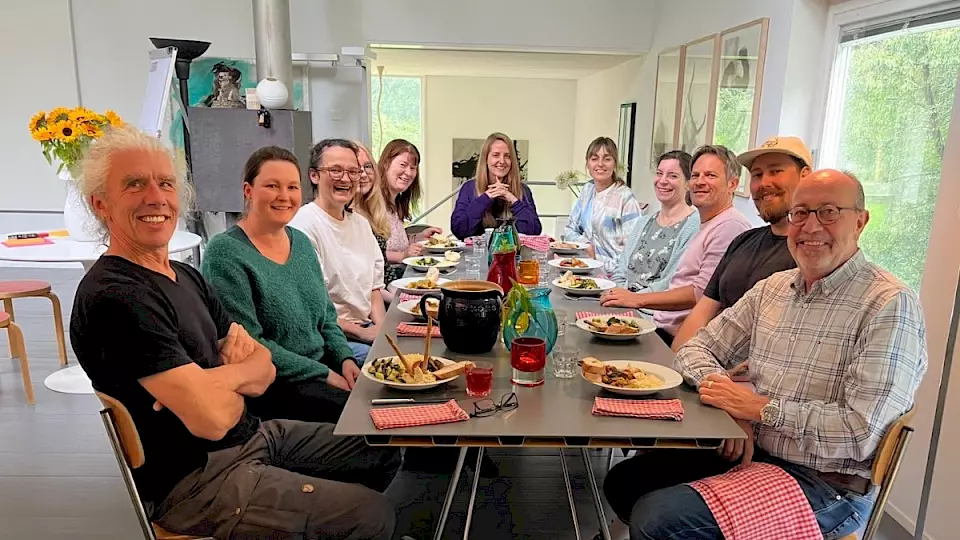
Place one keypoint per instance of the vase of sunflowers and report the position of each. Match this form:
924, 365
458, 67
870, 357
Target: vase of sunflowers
64, 135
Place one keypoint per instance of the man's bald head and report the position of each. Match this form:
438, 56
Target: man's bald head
826, 219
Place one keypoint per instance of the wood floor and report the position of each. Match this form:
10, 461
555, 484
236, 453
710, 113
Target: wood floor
59, 479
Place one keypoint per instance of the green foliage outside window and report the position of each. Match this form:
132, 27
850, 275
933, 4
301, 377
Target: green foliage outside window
399, 111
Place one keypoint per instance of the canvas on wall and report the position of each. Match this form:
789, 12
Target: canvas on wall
466, 155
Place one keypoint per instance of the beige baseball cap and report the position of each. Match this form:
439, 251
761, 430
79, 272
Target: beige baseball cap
792, 146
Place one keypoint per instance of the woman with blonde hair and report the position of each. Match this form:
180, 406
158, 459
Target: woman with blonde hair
398, 171
606, 213
496, 192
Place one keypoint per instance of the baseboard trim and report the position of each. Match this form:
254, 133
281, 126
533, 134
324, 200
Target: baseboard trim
905, 522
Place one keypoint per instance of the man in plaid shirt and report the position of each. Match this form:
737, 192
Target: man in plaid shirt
836, 350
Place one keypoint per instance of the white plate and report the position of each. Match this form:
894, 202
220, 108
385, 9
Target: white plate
407, 307
646, 327
604, 284
442, 263
566, 250
670, 378
407, 386
592, 264
457, 246
402, 285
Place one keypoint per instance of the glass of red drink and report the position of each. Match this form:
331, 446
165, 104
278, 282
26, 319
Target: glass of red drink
479, 379
528, 358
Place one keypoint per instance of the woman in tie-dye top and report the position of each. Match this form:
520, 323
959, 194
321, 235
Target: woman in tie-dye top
606, 213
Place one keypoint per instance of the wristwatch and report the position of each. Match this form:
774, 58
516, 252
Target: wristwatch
770, 413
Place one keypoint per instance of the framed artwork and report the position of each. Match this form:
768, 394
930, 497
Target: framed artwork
737, 98
698, 87
665, 110
628, 121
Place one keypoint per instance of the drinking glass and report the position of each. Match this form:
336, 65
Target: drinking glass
528, 358
479, 379
529, 272
561, 327
565, 362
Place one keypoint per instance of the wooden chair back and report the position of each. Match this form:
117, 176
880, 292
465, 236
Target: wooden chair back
126, 430
886, 452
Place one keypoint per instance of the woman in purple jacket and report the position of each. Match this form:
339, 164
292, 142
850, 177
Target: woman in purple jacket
496, 192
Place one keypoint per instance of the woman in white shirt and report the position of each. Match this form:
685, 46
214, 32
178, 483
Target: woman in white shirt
349, 255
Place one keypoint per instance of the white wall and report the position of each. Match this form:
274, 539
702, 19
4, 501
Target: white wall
538, 110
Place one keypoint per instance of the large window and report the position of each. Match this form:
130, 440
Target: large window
890, 104
396, 111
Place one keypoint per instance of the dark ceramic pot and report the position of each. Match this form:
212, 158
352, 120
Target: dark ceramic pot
469, 315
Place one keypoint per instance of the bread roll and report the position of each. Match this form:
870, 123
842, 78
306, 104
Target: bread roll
593, 377
451, 371
592, 365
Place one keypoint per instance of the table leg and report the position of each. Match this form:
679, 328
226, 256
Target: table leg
451, 492
573, 505
473, 494
595, 491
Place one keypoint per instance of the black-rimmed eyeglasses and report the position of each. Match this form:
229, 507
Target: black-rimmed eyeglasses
826, 214
489, 407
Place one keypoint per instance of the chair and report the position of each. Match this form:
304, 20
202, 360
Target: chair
34, 288
129, 453
18, 350
885, 468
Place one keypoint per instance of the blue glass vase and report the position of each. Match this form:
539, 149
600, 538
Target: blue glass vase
528, 313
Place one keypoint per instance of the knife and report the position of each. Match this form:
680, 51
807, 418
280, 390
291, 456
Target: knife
406, 401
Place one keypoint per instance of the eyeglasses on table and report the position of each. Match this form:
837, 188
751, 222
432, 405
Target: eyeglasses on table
489, 407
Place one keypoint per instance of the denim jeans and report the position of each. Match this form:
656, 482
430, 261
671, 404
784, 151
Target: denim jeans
360, 351
650, 494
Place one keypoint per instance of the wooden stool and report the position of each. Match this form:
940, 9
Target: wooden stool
33, 288
18, 351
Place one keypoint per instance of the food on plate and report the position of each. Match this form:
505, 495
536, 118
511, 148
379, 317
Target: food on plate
393, 370
428, 282
565, 245
452, 256
440, 240
571, 281
628, 377
573, 262
426, 261
613, 325
433, 306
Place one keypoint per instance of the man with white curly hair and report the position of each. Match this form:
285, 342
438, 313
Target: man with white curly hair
151, 333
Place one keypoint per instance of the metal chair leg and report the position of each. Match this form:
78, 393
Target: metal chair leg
58, 327
570, 499
451, 492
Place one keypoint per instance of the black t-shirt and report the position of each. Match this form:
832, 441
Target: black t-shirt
753, 256
128, 323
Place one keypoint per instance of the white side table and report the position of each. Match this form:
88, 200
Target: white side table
64, 249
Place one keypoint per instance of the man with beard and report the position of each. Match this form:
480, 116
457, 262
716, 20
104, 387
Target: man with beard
775, 169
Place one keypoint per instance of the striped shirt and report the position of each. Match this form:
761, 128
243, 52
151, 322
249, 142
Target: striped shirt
844, 360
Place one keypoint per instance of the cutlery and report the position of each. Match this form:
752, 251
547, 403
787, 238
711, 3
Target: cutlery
407, 401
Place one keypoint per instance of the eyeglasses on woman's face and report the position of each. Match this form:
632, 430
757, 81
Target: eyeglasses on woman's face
336, 173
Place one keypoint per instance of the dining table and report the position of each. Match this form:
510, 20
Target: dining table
556, 414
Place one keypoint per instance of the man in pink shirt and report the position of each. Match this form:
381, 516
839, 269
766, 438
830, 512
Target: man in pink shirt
716, 174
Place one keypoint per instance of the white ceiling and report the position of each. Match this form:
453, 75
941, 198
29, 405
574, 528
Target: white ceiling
463, 63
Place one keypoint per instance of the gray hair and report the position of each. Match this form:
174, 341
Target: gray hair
96, 163
861, 202
728, 158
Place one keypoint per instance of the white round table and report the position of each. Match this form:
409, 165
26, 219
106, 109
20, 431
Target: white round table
65, 249
73, 380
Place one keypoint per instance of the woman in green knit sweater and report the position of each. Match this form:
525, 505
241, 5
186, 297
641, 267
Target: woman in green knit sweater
270, 281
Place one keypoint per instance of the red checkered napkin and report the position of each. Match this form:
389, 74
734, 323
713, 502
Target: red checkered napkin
590, 314
413, 330
759, 502
650, 409
536, 243
418, 415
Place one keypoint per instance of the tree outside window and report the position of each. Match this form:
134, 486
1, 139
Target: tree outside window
399, 113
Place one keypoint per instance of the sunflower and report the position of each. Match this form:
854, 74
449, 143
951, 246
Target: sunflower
113, 118
90, 130
82, 114
65, 131
41, 134
36, 119
58, 114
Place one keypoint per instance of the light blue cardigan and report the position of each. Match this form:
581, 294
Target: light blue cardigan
622, 275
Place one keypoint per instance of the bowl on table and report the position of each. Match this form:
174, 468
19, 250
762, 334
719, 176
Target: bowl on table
586, 286
614, 376
412, 307
568, 248
616, 327
418, 285
391, 371
432, 245
425, 263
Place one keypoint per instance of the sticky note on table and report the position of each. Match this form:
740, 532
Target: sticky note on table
22, 242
